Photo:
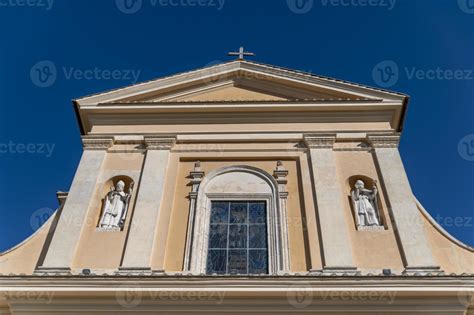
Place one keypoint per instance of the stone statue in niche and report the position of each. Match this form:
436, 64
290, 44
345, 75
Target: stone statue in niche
115, 207
366, 206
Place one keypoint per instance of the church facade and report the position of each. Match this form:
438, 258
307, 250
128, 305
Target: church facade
240, 187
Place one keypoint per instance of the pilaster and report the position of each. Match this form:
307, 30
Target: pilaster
196, 177
408, 221
138, 253
61, 251
337, 249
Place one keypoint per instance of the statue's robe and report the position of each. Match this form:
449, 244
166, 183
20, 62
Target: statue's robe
365, 207
114, 209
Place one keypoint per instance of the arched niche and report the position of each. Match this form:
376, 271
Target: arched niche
369, 184
237, 183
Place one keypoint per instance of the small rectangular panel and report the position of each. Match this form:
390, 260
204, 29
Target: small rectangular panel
220, 212
216, 261
257, 212
258, 261
237, 262
238, 236
218, 236
257, 236
238, 212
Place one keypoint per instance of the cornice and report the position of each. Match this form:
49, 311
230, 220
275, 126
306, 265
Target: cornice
323, 141
181, 280
160, 143
97, 143
384, 141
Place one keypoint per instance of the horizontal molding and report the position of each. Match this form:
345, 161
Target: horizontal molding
241, 137
240, 118
280, 283
360, 106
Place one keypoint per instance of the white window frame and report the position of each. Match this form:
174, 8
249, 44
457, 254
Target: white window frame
199, 221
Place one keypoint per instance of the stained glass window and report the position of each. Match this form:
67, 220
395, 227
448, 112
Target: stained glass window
238, 238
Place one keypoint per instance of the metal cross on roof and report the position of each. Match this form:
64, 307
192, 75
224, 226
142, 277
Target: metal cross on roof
241, 53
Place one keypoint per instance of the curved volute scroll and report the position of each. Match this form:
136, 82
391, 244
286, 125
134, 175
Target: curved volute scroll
366, 205
115, 204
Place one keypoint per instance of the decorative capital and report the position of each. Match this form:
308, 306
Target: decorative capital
283, 194
280, 173
197, 167
97, 143
197, 174
155, 143
388, 141
320, 141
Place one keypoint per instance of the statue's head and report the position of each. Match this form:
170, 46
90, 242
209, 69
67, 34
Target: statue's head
359, 184
120, 186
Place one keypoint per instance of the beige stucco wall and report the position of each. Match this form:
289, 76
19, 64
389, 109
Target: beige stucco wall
274, 125
24, 257
104, 250
371, 249
175, 247
452, 257
228, 93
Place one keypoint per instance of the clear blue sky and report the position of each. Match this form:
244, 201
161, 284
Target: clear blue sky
428, 41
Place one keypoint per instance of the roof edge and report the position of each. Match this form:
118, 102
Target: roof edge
246, 62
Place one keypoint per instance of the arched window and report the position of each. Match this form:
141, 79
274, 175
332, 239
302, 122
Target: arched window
237, 223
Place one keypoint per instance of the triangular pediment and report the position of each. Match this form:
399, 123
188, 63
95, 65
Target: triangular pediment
240, 86
227, 93
240, 89
241, 81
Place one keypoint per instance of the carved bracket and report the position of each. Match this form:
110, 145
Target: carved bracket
164, 143
97, 143
280, 174
320, 141
388, 141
